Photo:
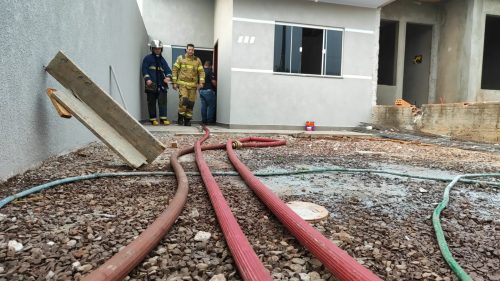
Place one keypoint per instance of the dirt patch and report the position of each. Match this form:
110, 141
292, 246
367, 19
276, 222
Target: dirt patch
381, 220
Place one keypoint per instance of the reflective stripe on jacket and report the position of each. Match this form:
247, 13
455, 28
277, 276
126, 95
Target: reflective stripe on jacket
156, 69
188, 71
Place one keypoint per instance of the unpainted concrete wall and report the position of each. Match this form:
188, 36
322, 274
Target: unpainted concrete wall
466, 121
454, 52
409, 11
393, 116
95, 34
177, 23
259, 96
481, 9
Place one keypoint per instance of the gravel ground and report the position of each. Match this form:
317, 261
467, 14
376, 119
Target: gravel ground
382, 221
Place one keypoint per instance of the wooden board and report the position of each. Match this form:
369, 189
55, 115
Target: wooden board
102, 115
100, 128
63, 112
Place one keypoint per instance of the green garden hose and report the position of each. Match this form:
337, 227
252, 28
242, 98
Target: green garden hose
443, 246
461, 274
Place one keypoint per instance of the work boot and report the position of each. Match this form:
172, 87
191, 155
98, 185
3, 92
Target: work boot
187, 122
154, 122
180, 119
164, 121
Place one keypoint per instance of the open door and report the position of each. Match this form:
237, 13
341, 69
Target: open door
417, 63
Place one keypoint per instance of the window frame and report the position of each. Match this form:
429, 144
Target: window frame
324, 49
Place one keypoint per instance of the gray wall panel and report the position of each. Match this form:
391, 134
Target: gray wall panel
290, 100
95, 34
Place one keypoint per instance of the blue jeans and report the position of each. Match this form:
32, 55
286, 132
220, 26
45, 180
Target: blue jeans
208, 106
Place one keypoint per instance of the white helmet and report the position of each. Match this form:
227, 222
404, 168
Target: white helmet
155, 44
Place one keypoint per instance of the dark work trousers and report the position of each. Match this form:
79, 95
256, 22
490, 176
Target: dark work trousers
162, 104
208, 104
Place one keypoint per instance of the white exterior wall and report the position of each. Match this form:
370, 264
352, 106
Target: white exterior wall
177, 23
260, 97
223, 35
95, 34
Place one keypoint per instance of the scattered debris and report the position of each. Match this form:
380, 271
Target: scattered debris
202, 236
13, 244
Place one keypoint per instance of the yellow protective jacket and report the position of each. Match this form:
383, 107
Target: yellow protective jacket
188, 71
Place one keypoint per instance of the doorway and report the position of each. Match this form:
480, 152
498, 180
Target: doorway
203, 53
417, 63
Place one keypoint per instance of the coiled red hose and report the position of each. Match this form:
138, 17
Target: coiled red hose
338, 262
129, 257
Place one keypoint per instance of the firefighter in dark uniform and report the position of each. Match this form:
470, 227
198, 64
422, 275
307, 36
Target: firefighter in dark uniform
157, 74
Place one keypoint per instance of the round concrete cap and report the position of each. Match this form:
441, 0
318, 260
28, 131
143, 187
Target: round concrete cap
308, 211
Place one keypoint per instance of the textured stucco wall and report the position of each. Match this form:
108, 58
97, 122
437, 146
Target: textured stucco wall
178, 23
264, 98
95, 34
223, 35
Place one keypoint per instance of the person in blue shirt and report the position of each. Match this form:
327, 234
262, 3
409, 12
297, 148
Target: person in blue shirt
157, 74
208, 96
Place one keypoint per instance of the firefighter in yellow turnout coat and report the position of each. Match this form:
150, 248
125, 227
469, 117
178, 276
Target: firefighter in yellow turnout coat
188, 76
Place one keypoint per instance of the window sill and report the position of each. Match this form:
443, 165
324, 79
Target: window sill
308, 75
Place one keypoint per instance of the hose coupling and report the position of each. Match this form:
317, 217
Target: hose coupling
237, 144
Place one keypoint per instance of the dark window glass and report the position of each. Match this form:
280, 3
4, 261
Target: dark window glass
312, 50
333, 59
296, 49
300, 50
282, 41
491, 54
176, 52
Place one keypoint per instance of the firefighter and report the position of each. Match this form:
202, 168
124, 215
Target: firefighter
157, 74
188, 76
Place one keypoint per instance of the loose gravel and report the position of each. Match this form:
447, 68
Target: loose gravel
384, 222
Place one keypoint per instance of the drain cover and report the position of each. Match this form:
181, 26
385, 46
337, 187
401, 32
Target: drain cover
308, 211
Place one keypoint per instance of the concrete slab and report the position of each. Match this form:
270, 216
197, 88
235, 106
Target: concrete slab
216, 129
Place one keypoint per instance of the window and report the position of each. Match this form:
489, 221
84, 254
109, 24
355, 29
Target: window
491, 55
307, 50
387, 53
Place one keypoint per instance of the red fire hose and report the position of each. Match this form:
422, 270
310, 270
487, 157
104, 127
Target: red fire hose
338, 262
129, 257
248, 264
119, 266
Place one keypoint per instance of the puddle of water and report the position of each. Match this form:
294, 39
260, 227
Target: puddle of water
412, 170
329, 183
